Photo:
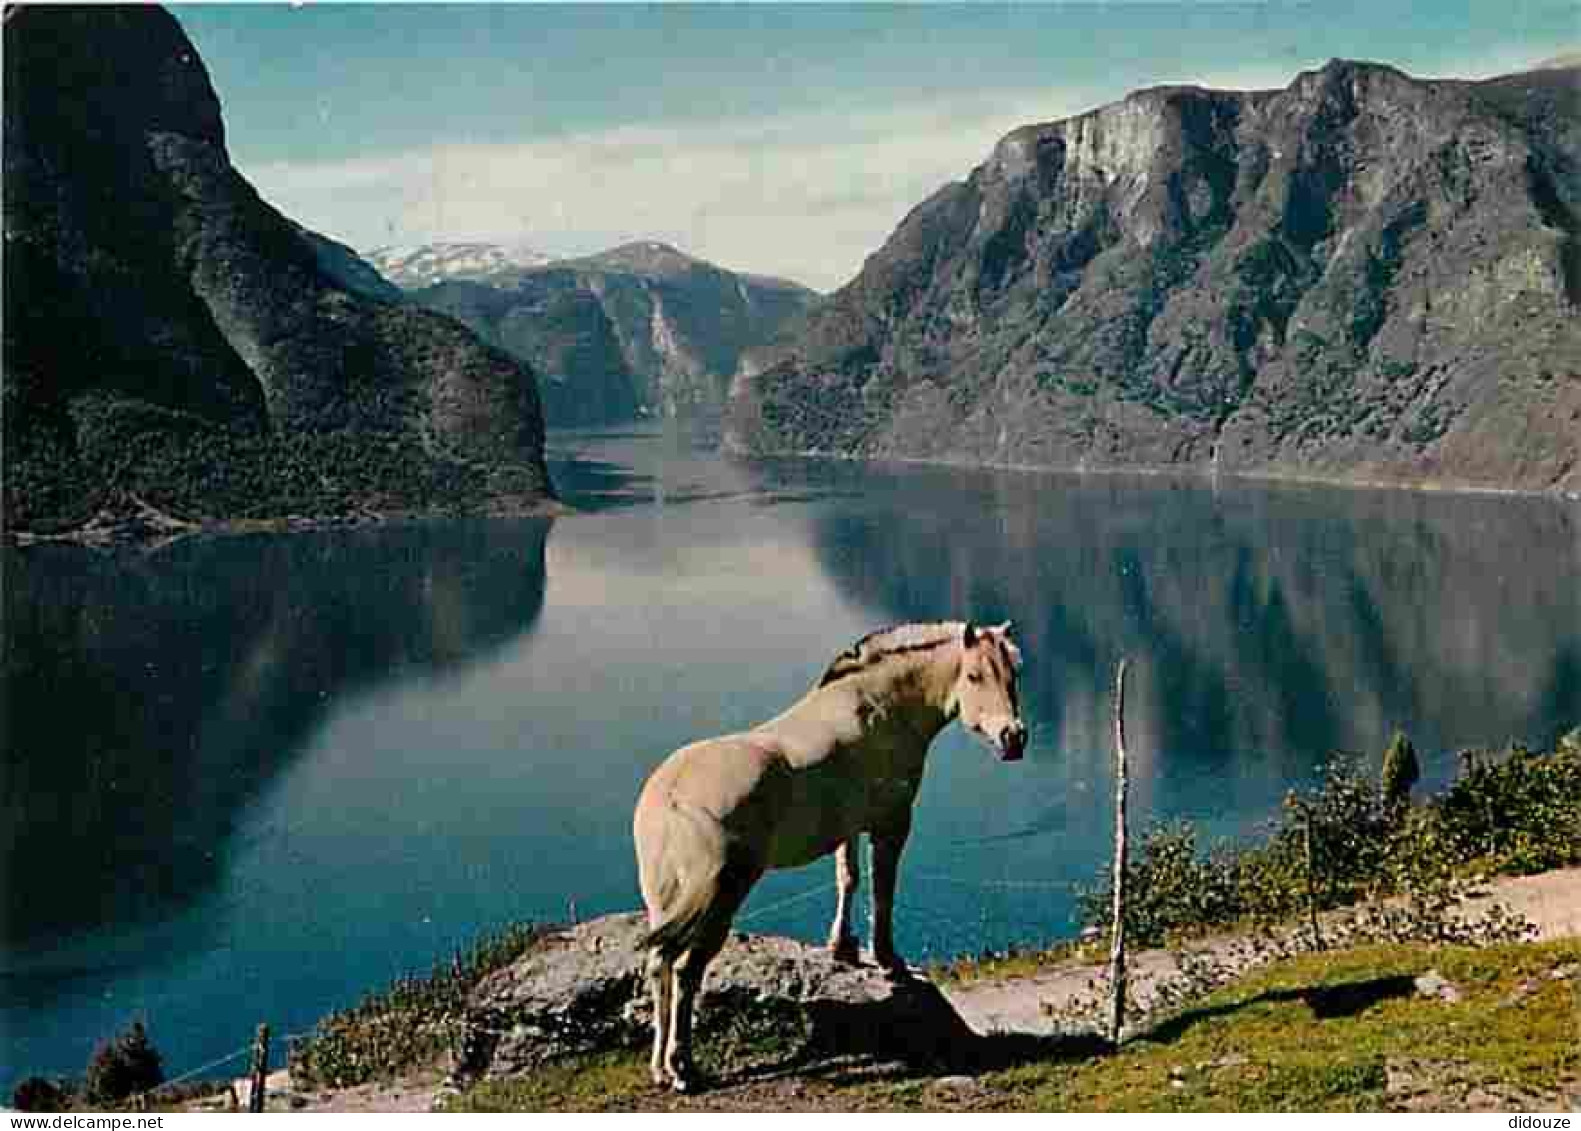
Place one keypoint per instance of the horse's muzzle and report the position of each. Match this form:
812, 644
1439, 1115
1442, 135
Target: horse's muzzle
1012, 742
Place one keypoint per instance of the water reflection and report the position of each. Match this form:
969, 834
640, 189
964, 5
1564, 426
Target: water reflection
149, 699
237, 783
1268, 627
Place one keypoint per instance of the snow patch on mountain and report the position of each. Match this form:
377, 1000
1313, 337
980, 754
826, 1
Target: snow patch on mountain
412, 266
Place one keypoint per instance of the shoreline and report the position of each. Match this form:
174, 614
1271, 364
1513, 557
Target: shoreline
1186, 473
154, 530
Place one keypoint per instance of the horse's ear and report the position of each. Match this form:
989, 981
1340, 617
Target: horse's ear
1003, 628
969, 636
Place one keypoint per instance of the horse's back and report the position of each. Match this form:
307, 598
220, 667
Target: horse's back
724, 777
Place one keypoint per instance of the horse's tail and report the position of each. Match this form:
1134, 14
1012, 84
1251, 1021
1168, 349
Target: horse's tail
683, 923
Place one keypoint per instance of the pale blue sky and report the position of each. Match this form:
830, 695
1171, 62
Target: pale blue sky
782, 138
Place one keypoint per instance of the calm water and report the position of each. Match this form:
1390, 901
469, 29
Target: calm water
246, 779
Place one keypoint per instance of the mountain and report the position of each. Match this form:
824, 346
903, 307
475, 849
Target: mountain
172, 342
1363, 276
412, 266
1561, 61
347, 269
680, 327
562, 330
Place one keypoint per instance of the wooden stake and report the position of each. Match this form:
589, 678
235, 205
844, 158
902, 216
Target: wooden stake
1306, 836
260, 1069
1117, 927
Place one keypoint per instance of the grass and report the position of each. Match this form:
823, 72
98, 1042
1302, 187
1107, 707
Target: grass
1022, 963
593, 1083
411, 1023
1325, 1032
1341, 1031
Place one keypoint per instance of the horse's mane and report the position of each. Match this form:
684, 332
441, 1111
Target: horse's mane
898, 640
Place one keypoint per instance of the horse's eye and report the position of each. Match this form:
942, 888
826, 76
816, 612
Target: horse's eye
974, 677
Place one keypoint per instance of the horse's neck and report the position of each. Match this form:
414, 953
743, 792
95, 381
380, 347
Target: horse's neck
907, 698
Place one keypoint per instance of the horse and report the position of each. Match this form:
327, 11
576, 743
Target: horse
846, 759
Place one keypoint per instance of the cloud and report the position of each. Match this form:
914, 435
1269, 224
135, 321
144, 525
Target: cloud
804, 196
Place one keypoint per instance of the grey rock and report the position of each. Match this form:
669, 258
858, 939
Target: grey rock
1434, 984
581, 990
954, 1083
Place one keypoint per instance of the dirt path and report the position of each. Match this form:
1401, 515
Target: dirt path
1028, 1003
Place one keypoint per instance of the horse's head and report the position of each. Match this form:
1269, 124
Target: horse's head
985, 690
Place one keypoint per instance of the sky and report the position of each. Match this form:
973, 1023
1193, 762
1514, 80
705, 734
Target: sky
784, 139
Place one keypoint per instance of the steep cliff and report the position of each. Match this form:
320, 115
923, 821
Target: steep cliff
680, 326
550, 321
170, 337
1364, 276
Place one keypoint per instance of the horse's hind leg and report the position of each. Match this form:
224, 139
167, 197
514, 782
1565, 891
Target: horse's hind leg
887, 847
690, 967
661, 978
848, 875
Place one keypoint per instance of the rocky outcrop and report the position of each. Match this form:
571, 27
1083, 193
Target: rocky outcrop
1364, 276
581, 990
679, 325
171, 337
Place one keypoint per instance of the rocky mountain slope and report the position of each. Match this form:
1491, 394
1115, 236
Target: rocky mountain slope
171, 338
1363, 277
561, 329
679, 327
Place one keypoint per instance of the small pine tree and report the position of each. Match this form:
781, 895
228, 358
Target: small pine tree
1401, 771
123, 1066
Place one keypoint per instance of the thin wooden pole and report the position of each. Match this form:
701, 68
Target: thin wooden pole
1117, 927
260, 1069
1306, 837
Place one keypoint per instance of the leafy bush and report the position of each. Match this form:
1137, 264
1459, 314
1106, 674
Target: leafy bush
407, 1025
1355, 837
40, 1095
123, 1066
1519, 813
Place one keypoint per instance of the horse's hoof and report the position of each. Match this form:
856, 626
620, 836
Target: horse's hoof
894, 968
683, 1085
846, 951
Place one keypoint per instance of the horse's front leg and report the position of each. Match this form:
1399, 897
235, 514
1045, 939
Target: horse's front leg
887, 847
848, 876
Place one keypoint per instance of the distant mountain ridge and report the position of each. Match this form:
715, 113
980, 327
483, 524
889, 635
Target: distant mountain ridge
1361, 277
643, 327
410, 266
172, 342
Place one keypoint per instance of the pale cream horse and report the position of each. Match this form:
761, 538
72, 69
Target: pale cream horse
846, 759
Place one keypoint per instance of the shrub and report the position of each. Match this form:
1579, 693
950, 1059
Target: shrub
407, 1025
123, 1066
1515, 813
1401, 772
40, 1095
